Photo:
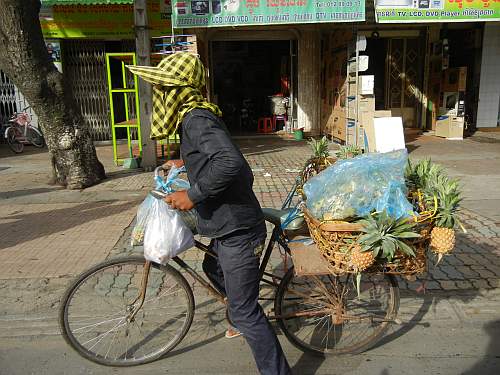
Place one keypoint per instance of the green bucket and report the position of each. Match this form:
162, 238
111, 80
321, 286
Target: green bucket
298, 134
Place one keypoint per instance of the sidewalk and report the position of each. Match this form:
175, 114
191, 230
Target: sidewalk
49, 232
48, 235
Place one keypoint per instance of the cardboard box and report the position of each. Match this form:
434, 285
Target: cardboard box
366, 84
455, 79
450, 127
456, 128
366, 103
337, 124
442, 126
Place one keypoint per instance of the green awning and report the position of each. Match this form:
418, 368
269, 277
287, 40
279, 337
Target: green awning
85, 2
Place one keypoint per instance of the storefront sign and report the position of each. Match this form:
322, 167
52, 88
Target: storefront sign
396, 11
213, 13
102, 21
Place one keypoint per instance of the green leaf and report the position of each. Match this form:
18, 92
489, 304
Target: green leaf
406, 249
408, 235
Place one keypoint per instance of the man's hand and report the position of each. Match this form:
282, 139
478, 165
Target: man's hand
177, 163
179, 200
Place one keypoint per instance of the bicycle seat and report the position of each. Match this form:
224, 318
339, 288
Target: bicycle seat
276, 217
273, 215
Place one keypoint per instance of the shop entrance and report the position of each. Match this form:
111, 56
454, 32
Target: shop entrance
397, 66
252, 80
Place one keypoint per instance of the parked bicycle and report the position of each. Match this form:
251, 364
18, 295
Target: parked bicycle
128, 311
19, 131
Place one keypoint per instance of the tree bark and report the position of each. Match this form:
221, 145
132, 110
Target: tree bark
25, 60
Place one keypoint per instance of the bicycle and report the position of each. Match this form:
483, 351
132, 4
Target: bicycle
17, 137
143, 310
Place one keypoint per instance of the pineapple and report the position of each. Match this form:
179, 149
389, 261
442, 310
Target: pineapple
422, 175
384, 235
319, 147
361, 260
319, 161
448, 198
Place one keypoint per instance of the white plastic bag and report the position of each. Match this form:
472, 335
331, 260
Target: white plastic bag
166, 235
137, 237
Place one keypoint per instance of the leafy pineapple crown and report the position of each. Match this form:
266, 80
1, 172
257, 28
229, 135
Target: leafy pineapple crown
349, 151
438, 188
384, 235
447, 192
319, 147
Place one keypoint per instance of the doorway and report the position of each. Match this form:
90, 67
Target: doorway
251, 80
397, 66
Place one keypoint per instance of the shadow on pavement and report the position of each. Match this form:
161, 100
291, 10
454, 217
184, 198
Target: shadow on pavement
490, 364
25, 192
5, 151
23, 227
254, 147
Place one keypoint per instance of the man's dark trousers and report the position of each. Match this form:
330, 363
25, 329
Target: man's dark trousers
236, 273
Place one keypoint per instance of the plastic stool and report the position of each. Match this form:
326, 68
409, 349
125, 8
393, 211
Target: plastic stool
283, 118
265, 125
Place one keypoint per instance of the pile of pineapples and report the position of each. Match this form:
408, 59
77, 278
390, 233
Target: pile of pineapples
442, 196
385, 236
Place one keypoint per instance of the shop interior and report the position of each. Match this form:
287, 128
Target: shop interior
251, 84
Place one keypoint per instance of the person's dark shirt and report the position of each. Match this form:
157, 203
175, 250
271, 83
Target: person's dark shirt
220, 177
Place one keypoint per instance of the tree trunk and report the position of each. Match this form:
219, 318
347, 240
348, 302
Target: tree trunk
25, 60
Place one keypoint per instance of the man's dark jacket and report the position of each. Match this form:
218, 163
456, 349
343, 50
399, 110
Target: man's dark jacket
220, 177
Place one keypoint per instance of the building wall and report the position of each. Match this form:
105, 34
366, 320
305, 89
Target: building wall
309, 81
488, 111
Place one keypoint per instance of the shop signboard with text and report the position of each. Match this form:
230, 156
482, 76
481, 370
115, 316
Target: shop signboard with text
213, 13
397, 11
101, 21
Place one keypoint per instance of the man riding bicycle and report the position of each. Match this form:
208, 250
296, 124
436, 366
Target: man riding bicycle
221, 193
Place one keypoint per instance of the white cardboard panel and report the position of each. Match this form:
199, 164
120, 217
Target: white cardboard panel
389, 135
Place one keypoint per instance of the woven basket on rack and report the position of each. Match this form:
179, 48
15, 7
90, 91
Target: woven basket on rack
336, 240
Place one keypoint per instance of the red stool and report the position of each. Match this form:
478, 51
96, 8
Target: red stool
265, 125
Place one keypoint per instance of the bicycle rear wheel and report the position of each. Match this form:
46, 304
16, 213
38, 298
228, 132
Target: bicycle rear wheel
13, 142
95, 313
35, 137
324, 315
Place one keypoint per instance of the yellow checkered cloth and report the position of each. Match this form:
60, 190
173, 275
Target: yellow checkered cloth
177, 83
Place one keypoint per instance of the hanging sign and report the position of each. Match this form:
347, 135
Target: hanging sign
102, 21
213, 13
396, 11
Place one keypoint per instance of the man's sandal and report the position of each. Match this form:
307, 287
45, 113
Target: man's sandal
231, 333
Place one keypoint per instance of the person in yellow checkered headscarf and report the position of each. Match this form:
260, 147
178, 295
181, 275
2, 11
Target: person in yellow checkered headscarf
221, 194
178, 81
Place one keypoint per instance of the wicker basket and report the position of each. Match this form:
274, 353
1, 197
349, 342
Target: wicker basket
335, 240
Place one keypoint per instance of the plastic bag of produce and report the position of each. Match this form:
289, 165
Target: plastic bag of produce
359, 186
137, 236
166, 235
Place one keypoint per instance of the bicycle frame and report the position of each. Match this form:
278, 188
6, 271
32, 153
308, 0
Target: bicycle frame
276, 236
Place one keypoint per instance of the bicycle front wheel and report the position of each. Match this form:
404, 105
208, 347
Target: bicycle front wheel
14, 144
97, 312
325, 315
35, 137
